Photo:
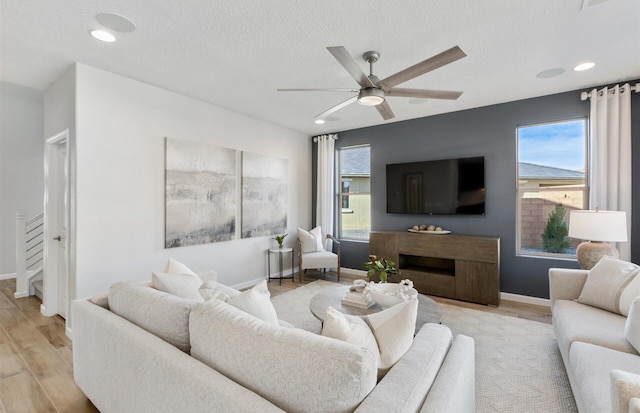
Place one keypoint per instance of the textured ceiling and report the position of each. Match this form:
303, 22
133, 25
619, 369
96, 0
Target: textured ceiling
236, 54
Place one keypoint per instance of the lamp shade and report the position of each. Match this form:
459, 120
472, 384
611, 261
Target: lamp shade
607, 226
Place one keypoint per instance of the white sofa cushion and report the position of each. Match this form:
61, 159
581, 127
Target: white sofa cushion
320, 259
176, 267
573, 321
158, 312
605, 283
257, 302
292, 368
388, 334
591, 366
310, 241
213, 289
632, 326
630, 293
181, 285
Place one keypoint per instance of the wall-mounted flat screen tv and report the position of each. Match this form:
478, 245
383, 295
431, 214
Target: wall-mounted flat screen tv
448, 186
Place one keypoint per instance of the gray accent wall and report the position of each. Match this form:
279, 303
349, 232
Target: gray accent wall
490, 132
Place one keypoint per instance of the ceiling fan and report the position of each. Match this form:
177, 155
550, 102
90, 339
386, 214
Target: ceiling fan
373, 91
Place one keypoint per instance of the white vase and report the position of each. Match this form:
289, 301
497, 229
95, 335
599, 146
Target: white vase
389, 294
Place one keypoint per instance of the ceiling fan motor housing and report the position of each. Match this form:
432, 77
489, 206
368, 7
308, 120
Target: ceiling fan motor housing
370, 96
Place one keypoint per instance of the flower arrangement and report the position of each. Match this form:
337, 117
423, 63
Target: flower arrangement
280, 239
382, 267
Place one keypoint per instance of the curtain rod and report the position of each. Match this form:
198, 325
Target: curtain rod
633, 88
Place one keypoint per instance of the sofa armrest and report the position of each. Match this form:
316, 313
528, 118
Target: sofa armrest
454, 390
566, 284
624, 387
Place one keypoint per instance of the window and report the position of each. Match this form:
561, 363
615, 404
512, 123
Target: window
552, 173
354, 196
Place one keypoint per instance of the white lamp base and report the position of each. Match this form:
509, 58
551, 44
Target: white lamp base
590, 252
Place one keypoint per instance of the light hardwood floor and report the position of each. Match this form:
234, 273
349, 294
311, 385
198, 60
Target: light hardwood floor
36, 367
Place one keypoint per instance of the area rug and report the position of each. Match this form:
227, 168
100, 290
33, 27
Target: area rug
518, 364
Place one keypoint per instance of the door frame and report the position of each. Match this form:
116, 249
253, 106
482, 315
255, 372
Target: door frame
49, 305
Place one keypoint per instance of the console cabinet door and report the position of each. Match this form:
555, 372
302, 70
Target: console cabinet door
477, 282
384, 245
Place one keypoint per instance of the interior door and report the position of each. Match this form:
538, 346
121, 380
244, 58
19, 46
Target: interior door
62, 197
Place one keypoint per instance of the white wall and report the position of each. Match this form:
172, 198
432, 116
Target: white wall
121, 126
21, 164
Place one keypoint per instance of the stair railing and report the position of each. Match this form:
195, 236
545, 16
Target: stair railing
29, 251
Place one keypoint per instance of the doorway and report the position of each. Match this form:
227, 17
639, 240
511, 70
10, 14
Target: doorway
55, 297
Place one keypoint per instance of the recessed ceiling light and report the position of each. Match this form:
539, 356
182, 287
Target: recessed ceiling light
545, 74
102, 35
115, 22
319, 121
584, 66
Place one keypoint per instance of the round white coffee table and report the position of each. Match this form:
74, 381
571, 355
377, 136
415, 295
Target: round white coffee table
428, 310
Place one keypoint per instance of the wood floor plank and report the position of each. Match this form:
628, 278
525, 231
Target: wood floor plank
54, 335
66, 395
10, 361
22, 393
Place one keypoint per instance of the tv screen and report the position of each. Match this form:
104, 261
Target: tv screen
449, 186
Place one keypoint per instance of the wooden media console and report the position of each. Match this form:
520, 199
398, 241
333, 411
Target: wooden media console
463, 267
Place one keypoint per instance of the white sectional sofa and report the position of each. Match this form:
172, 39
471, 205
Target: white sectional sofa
599, 347
148, 351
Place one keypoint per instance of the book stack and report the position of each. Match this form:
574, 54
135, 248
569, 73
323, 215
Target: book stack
356, 299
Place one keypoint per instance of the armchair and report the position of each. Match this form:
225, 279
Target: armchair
319, 259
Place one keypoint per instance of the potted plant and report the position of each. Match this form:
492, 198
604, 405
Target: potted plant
280, 239
382, 267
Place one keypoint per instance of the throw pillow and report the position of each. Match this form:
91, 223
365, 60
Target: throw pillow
392, 331
176, 267
632, 325
605, 283
182, 285
215, 290
630, 293
257, 302
310, 241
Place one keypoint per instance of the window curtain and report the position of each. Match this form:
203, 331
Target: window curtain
610, 131
325, 182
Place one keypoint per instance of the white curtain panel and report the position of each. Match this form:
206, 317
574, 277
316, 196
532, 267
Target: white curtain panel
326, 168
610, 130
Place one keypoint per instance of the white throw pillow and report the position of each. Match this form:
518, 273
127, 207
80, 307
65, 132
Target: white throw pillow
392, 329
257, 302
605, 283
182, 285
630, 293
213, 289
176, 267
632, 325
351, 329
311, 241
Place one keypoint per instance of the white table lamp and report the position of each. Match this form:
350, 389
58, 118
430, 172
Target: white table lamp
597, 228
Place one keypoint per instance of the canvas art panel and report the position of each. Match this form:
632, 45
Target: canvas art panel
200, 193
264, 195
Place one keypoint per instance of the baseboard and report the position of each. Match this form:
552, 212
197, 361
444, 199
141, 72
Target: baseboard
251, 283
525, 299
20, 295
8, 276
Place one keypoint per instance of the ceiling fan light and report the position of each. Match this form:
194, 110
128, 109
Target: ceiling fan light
370, 96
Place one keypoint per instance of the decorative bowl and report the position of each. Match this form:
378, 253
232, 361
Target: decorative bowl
389, 294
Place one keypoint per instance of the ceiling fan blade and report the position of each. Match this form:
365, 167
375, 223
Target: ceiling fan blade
385, 111
432, 63
337, 107
344, 58
423, 93
320, 90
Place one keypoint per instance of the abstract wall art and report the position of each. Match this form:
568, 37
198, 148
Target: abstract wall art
264, 195
200, 193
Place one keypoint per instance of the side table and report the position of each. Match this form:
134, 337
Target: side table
280, 252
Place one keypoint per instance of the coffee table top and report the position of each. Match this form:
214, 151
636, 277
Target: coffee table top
428, 310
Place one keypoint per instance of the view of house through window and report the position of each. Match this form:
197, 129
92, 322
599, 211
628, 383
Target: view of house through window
354, 195
552, 161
